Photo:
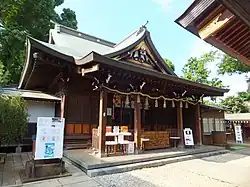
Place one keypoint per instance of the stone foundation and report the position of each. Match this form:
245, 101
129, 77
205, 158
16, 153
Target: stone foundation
44, 168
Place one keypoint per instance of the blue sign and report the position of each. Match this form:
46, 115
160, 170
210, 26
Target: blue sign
49, 150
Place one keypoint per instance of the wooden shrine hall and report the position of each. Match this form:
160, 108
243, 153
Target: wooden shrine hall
126, 87
224, 24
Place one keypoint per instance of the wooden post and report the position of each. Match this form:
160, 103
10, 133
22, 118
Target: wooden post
137, 125
63, 105
102, 122
180, 124
198, 125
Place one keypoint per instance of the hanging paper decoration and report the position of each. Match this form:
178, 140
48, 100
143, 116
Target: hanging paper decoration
138, 99
186, 105
146, 104
164, 104
181, 104
127, 102
156, 103
173, 105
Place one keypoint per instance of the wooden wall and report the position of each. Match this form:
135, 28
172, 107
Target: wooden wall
82, 106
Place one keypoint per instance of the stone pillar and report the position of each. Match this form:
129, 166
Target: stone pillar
137, 125
102, 122
180, 124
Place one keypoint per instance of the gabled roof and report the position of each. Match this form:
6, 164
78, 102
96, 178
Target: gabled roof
133, 40
224, 24
28, 94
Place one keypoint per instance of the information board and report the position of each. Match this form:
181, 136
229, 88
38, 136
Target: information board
238, 134
131, 148
49, 138
188, 136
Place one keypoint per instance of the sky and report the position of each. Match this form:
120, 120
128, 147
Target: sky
113, 20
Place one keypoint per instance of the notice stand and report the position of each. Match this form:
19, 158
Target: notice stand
49, 138
188, 137
238, 134
47, 161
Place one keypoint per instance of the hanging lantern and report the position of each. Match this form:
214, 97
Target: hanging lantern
146, 104
173, 105
186, 105
181, 104
156, 103
127, 102
164, 104
138, 99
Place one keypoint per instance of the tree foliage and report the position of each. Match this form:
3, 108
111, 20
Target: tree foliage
230, 65
170, 64
20, 19
196, 70
13, 119
237, 104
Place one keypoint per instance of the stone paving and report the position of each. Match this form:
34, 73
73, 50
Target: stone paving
16, 162
228, 170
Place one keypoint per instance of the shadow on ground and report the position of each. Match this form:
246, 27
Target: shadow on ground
233, 155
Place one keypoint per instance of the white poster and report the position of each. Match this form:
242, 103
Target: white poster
238, 134
109, 111
49, 138
131, 148
188, 136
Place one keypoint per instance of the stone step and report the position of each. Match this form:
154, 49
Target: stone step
154, 163
76, 146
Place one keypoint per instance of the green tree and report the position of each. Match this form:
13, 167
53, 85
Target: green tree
196, 70
230, 65
170, 64
20, 19
236, 104
13, 119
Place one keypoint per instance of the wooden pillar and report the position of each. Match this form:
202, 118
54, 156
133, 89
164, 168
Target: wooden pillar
198, 124
137, 125
102, 122
63, 97
180, 124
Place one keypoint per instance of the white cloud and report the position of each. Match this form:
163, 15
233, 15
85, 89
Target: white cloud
165, 4
236, 82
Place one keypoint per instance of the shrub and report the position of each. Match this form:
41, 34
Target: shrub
13, 119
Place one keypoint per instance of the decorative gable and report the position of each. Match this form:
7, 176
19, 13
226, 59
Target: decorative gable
138, 48
141, 54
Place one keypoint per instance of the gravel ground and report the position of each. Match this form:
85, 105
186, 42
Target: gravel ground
228, 170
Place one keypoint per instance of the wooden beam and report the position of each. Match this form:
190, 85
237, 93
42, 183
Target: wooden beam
227, 49
55, 80
137, 125
216, 24
180, 124
89, 70
239, 36
230, 30
102, 121
198, 125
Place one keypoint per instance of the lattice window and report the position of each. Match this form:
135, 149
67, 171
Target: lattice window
205, 123
211, 124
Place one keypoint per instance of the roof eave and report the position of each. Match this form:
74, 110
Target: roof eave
95, 57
